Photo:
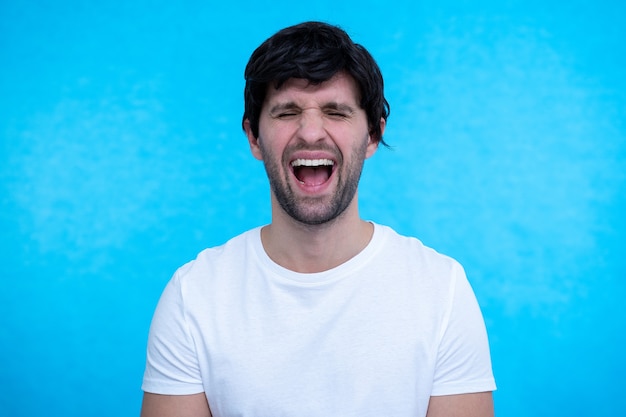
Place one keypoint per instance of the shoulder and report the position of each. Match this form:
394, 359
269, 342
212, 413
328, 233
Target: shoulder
411, 250
224, 259
419, 268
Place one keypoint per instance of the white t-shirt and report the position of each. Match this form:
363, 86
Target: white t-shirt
375, 336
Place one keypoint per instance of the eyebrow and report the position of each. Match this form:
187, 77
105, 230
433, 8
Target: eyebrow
338, 106
289, 105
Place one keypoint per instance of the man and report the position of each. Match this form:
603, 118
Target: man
318, 313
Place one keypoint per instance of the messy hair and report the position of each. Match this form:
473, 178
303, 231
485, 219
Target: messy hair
313, 51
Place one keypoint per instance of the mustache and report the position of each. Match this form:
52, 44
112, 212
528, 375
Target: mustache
318, 147
307, 147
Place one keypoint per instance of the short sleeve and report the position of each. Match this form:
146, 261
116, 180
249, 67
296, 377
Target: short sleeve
171, 361
463, 359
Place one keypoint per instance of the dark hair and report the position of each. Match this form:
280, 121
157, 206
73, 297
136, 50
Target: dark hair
313, 51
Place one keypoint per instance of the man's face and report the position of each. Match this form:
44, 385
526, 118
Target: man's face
313, 140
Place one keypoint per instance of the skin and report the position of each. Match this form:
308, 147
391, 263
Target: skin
465, 405
304, 120
155, 405
314, 227
196, 405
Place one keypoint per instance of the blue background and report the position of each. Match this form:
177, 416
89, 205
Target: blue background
121, 157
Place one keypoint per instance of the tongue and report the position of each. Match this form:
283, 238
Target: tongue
312, 175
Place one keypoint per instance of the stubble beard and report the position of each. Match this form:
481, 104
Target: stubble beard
313, 211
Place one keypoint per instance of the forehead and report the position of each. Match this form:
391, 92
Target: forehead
341, 88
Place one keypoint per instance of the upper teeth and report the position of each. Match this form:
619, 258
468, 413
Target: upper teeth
312, 162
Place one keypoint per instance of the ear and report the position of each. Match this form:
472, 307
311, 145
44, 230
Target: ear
372, 145
252, 141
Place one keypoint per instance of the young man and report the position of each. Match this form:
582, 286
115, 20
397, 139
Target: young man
318, 313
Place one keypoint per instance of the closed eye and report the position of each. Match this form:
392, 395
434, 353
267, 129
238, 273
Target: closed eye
284, 110
336, 110
338, 114
286, 115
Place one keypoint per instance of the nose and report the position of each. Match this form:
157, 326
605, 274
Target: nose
311, 127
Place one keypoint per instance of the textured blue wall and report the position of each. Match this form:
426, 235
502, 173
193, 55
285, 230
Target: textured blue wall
121, 157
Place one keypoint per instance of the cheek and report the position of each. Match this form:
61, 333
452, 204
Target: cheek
358, 143
275, 135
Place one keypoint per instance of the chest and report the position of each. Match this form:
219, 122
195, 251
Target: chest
320, 351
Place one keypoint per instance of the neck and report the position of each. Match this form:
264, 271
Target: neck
316, 248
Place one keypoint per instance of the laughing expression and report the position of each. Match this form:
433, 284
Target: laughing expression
313, 140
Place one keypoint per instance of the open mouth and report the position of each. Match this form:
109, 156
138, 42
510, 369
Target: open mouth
312, 172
